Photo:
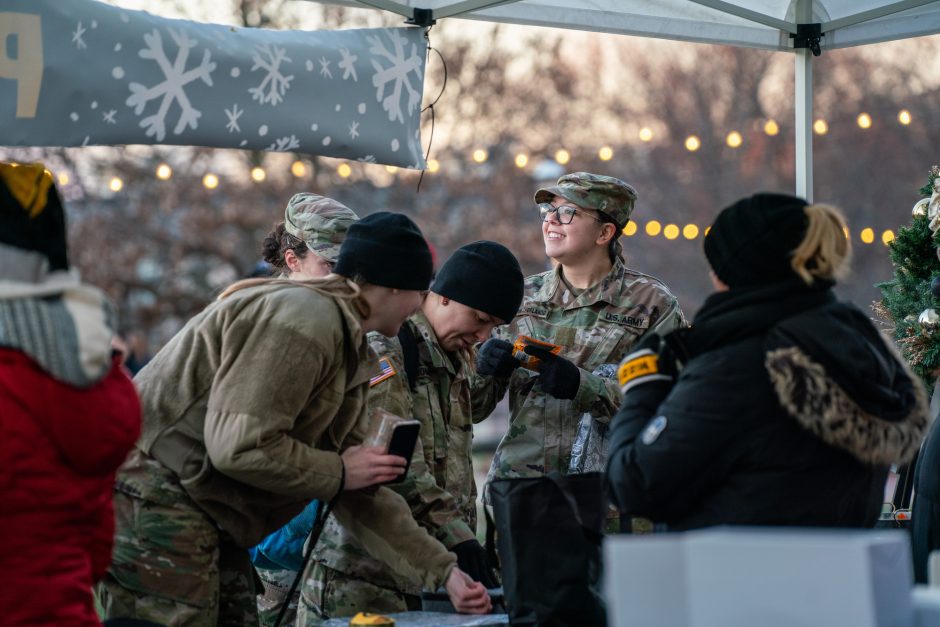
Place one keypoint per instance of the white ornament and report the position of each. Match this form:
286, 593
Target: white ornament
929, 321
920, 207
176, 77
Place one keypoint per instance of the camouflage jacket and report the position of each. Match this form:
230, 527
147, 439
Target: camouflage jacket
595, 330
439, 486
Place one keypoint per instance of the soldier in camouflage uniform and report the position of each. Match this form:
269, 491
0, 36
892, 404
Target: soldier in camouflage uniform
479, 287
593, 307
256, 407
304, 246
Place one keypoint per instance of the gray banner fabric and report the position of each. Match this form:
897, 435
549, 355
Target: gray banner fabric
83, 73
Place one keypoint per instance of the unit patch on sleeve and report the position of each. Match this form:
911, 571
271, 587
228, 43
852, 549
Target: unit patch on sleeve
386, 371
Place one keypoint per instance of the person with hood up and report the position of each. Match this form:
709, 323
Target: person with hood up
69, 414
780, 405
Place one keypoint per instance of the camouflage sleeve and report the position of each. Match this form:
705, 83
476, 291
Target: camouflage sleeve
600, 396
434, 508
485, 393
382, 523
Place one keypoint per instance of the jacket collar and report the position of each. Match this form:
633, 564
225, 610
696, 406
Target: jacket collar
607, 290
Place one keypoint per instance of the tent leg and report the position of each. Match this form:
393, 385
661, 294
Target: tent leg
804, 111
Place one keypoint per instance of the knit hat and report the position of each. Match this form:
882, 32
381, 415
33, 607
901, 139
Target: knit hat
485, 276
319, 221
31, 214
605, 194
386, 249
751, 241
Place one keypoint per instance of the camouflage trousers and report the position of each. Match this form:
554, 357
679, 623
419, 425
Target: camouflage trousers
277, 585
327, 593
172, 565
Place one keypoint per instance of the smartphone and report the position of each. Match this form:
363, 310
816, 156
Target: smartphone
402, 443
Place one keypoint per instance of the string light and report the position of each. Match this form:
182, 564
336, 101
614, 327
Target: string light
671, 231
63, 178
863, 120
391, 169
771, 127
522, 160
562, 156
646, 134
164, 172
606, 153
115, 184
298, 169
258, 174
211, 181
692, 143
433, 165
652, 228
344, 170
734, 139
887, 237
867, 235
690, 231
904, 117
630, 229
820, 127
480, 155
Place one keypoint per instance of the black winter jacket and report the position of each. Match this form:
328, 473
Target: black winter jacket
788, 409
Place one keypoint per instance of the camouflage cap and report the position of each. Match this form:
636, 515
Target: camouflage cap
320, 221
594, 191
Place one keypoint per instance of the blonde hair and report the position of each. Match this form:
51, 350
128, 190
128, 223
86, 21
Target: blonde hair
331, 285
825, 251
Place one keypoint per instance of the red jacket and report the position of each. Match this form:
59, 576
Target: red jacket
59, 449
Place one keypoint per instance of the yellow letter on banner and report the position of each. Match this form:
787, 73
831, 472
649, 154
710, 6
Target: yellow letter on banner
26, 67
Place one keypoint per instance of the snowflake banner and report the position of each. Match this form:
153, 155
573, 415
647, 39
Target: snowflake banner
82, 73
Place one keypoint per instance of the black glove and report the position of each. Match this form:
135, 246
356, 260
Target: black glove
494, 359
471, 559
558, 377
652, 361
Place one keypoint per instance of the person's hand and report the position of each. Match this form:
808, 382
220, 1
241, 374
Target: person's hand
558, 377
471, 559
370, 465
651, 361
494, 359
468, 596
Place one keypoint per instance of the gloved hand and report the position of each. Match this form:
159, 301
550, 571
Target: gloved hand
651, 361
471, 559
558, 377
494, 359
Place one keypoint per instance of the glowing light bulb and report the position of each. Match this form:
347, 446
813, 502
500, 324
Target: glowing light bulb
646, 134
116, 184
692, 143
210, 181
863, 120
258, 174
480, 155
433, 165
164, 172
630, 229
867, 235
653, 228
771, 127
904, 117
562, 156
298, 169
887, 237
671, 231
820, 127
690, 231
606, 153
344, 170
522, 160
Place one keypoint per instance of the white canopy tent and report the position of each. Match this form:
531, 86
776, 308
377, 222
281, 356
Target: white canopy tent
803, 27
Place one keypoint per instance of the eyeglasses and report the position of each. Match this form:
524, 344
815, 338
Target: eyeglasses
564, 213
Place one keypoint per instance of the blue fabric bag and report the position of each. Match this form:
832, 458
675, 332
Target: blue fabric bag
284, 549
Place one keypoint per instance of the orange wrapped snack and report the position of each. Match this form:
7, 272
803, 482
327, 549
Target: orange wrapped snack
528, 361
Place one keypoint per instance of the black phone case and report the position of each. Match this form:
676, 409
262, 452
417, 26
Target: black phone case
402, 444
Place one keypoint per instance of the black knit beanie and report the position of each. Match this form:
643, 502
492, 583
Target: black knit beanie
386, 249
485, 276
751, 242
31, 214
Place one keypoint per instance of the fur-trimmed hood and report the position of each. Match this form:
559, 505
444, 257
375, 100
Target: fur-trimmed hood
835, 374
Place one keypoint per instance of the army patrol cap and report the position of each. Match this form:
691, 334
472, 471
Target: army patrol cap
319, 221
606, 194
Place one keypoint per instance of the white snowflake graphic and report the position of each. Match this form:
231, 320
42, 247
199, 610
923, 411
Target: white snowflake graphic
269, 58
284, 144
354, 130
347, 64
233, 114
77, 36
109, 116
172, 88
397, 73
367, 159
325, 68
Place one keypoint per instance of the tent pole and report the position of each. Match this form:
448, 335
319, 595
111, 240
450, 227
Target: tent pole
804, 108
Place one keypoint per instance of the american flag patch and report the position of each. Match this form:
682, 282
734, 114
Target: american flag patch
386, 370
